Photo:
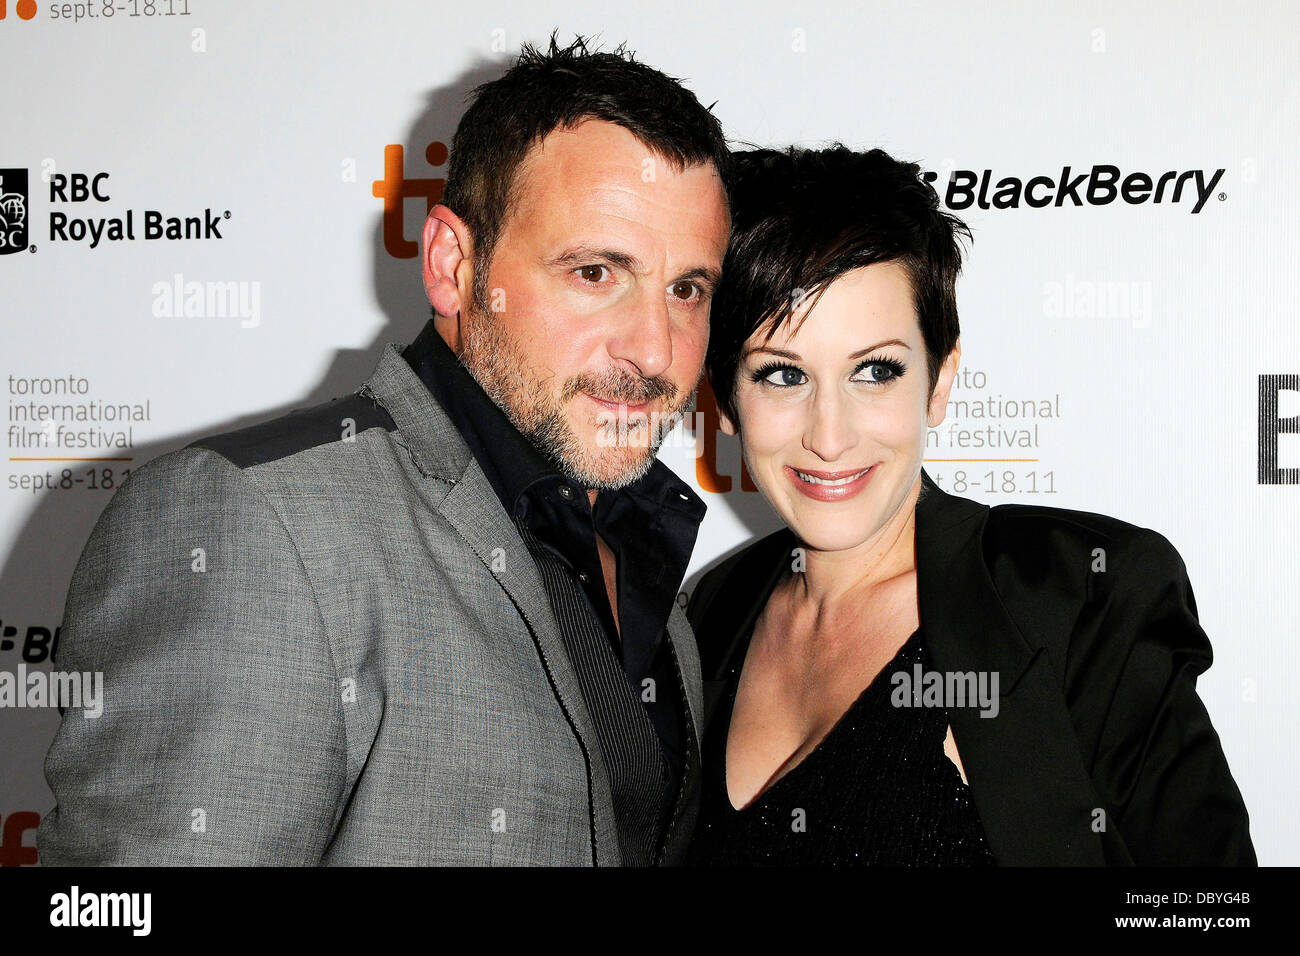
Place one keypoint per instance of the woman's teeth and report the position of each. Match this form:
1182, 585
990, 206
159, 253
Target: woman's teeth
828, 481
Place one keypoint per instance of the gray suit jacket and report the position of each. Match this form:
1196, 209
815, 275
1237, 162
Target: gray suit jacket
323, 641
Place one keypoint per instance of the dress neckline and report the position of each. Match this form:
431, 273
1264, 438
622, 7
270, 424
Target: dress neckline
733, 687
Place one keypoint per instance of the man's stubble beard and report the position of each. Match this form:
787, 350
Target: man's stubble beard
497, 362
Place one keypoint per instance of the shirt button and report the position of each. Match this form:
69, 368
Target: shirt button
566, 492
582, 577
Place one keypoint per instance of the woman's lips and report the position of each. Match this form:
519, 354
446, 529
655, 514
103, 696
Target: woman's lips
830, 485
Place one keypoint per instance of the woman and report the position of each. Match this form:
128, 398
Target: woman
903, 676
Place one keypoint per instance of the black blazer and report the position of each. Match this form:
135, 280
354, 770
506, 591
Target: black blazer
1097, 673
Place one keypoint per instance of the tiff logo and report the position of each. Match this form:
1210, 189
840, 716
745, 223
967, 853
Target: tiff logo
13, 852
395, 188
23, 9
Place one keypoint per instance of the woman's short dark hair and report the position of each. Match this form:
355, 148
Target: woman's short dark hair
558, 88
803, 217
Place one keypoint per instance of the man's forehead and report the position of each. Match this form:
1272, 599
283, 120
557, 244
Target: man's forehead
597, 154
599, 175
593, 143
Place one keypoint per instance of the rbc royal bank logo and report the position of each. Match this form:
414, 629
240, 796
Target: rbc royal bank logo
13, 211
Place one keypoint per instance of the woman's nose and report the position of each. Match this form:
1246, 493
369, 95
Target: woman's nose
829, 433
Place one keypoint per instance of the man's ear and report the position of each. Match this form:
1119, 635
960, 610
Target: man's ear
938, 408
448, 252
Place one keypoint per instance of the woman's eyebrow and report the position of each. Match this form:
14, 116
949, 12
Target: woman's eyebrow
880, 345
797, 357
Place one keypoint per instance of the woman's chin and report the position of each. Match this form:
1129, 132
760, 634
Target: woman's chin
829, 535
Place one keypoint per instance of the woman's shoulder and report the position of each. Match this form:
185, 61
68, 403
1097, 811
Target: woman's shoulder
1090, 585
1071, 580
1045, 538
1048, 537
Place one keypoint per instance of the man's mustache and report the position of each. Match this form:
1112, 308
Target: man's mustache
623, 387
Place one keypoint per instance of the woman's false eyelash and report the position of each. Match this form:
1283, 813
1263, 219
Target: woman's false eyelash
896, 370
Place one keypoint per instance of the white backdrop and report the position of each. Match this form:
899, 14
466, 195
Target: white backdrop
1144, 327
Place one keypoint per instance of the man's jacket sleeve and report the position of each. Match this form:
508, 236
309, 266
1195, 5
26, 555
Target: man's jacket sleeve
221, 739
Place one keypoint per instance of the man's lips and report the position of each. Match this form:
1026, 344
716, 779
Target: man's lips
614, 406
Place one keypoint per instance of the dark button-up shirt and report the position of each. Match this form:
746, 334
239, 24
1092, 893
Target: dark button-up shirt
650, 526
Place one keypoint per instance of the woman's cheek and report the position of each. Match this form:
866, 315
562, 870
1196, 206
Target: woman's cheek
770, 424
894, 421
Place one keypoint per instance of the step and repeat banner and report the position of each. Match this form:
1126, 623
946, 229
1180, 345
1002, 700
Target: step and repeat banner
210, 216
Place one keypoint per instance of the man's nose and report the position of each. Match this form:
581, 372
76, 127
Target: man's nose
643, 336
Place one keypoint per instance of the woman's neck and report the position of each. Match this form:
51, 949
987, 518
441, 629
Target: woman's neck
825, 580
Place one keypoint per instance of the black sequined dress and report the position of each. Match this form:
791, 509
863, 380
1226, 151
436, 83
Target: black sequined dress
877, 790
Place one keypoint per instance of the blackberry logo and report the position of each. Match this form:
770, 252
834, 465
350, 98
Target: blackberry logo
13, 211
1099, 186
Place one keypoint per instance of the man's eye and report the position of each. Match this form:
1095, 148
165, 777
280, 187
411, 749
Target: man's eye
593, 274
685, 290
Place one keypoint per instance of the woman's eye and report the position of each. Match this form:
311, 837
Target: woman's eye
593, 274
878, 372
785, 376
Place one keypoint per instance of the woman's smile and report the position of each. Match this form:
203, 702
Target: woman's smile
830, 485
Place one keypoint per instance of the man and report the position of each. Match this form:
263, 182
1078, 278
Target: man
435, 621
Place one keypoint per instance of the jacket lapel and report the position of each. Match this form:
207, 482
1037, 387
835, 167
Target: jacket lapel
1026, 775
686, 659
686, 662
473, 509
729, 618
471, 506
